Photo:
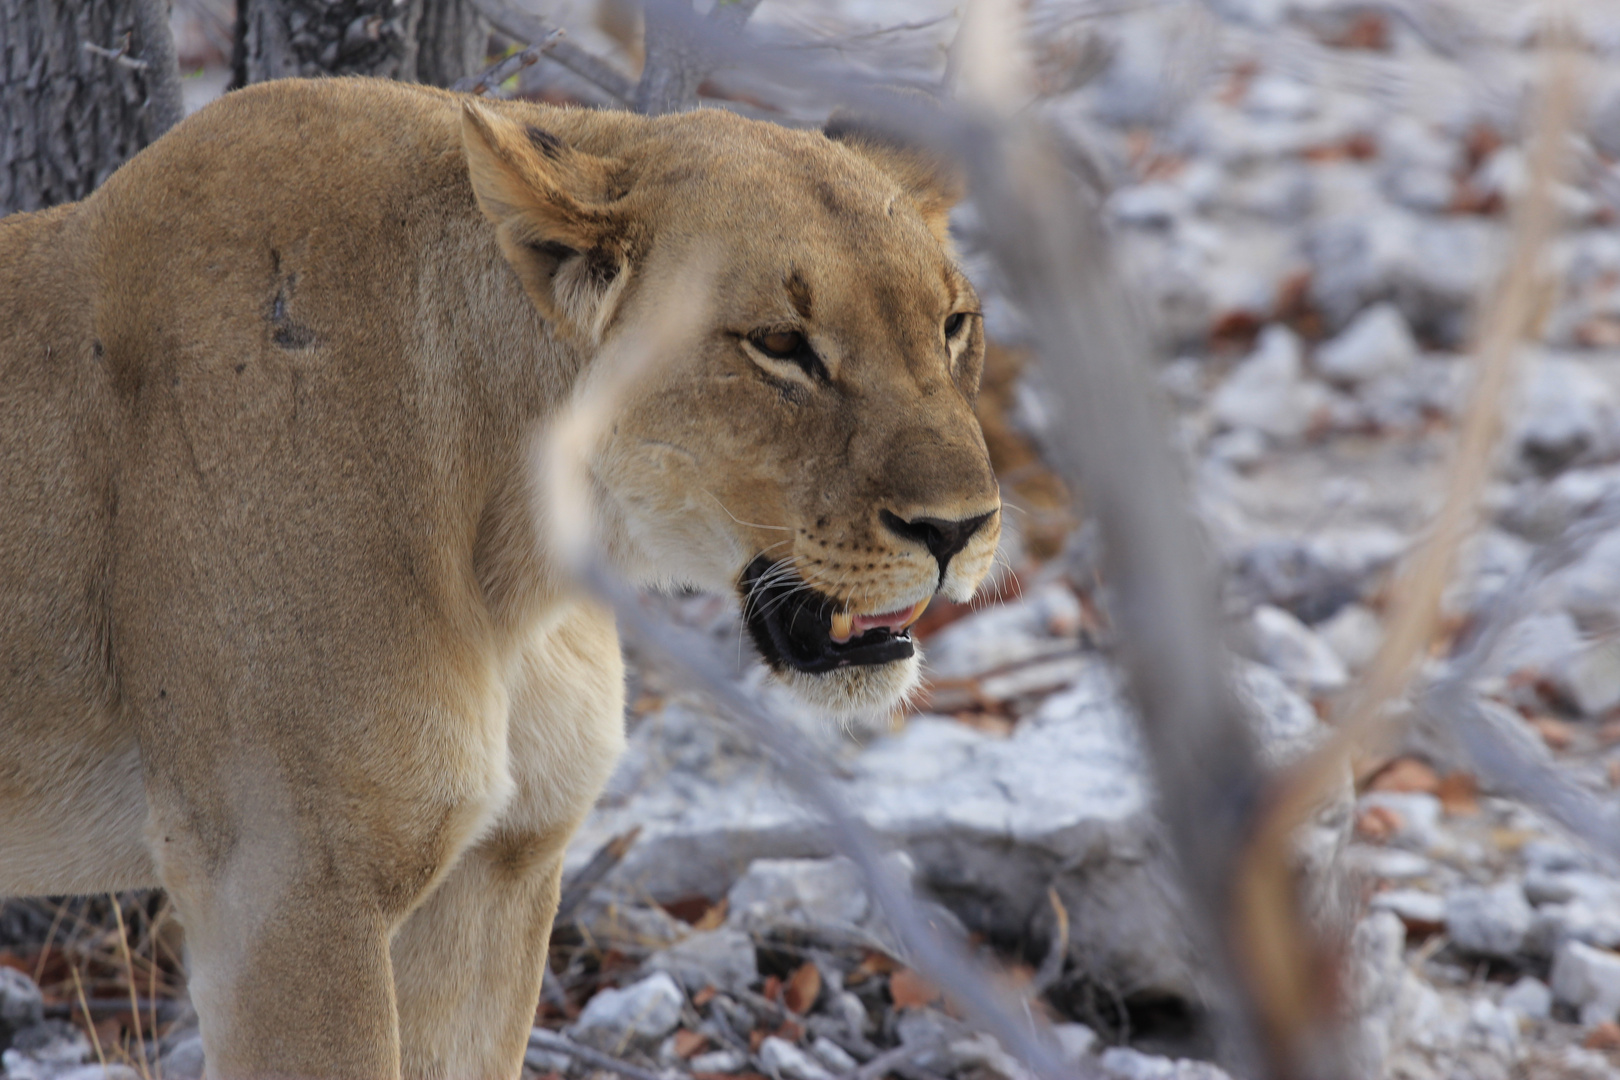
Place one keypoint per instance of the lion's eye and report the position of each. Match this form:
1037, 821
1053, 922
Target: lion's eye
954, 324
780, 344
789, 347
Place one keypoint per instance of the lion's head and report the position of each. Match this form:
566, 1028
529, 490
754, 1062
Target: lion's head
816, 450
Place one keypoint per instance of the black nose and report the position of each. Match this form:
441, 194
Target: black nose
943, 538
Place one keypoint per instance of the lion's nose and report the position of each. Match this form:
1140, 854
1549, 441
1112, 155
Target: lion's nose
941, 537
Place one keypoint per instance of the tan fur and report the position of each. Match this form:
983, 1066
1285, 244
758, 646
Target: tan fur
277, 631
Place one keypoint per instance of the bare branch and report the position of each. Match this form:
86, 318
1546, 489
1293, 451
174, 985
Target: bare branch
601, 864
562, 1044
681, 51
521, 26
497, 73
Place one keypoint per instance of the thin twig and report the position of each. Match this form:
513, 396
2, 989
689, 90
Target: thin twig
119, 56
503, 69
521, 26
601, 864
95, 1036
562, 1044
129, 971
892, 1059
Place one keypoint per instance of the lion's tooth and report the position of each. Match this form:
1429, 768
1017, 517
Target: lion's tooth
843, 624
916, 612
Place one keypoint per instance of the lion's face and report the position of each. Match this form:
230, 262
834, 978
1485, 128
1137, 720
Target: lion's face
816, 449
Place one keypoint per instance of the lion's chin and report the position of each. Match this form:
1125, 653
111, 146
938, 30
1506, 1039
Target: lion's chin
868, 694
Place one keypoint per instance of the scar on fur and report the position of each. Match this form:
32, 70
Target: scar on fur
288, 334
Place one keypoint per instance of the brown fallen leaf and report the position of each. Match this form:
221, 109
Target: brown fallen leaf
1554, 732
690, 1043
1606, 1036
1459, 794
803, 987
907, 989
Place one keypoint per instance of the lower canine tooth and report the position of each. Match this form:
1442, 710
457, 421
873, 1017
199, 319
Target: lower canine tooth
843, 624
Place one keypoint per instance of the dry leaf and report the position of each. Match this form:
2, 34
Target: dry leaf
690, 1043
711, 919
1555, 733
1459, 794
803, 987
907, 988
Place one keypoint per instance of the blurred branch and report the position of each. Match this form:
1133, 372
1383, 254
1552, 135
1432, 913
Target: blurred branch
1368, 722
681, 51
601, 864
562, 1044
521, 26
498, 72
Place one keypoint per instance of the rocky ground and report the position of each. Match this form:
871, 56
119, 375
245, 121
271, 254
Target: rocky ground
1309, 196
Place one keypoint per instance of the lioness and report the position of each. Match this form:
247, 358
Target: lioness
277, 630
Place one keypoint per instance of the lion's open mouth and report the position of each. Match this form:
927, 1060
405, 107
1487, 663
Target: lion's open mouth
795, 626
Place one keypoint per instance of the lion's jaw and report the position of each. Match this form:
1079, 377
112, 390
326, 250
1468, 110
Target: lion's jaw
812, 447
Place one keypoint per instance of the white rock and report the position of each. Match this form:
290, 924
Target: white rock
719, 1061
1240, 448
1075, 1041
1590, 678
1154, 205
545, 1061
1419, 814
1027, 629
1288, 645
1279, 97
817, 892
50, 1042
20, 1067
833, 1056
1589, 980
1123, 1063
1268, 391
1493, 1028
183, 1059
992, 821
1536, 644
787, 1062
21, 1003
1354, 634
1589, 590
1490, 921
1377, 342
1529, 997
639, 1014
1564, 412
1432, 267
1411, 905
723, 958
1390, 864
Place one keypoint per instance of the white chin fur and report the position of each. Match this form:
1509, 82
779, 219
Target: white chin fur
857, 694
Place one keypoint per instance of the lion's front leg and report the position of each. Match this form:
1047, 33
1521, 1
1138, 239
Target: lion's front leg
469, 961
468, 965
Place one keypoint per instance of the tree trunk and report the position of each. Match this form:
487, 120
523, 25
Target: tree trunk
83, 86
432, 41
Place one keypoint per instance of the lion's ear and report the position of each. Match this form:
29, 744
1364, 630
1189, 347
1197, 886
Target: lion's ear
931, 181
554, 219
